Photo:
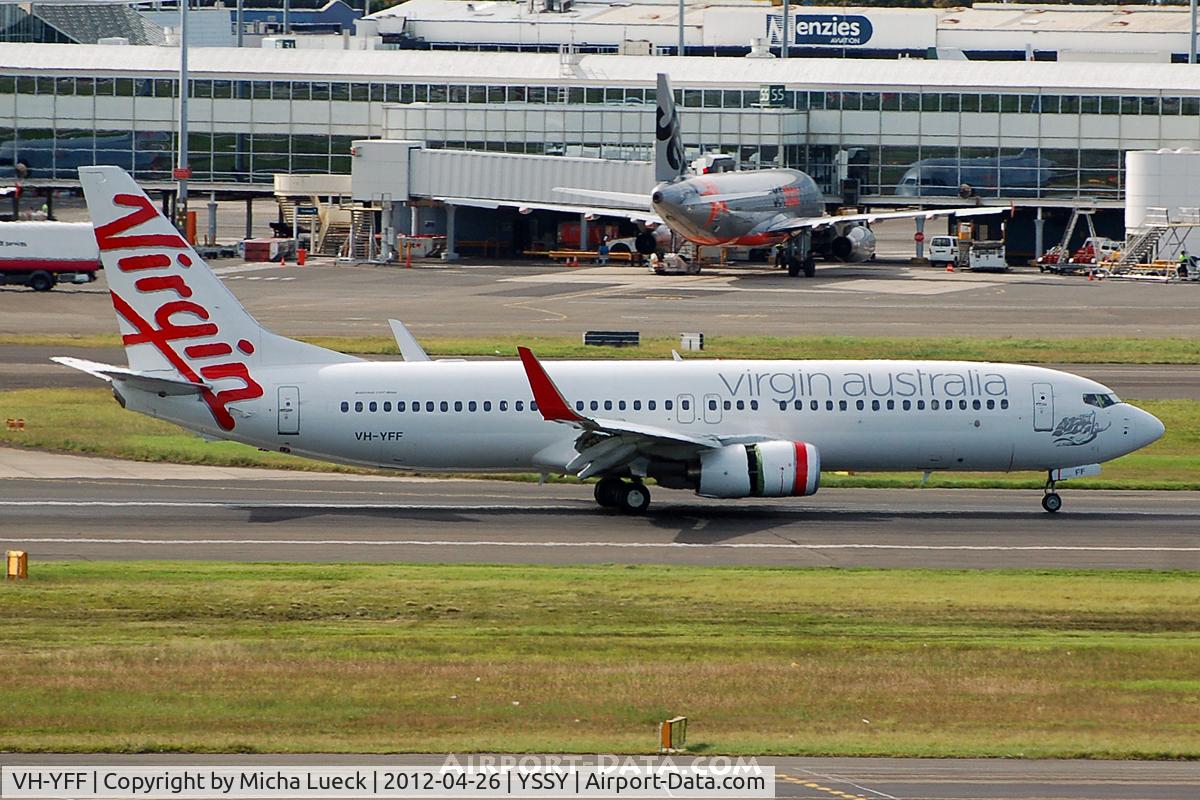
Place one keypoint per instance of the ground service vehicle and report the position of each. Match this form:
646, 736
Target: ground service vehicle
42, 254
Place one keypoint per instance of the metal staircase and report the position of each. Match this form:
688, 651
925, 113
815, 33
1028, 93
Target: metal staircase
1141, 247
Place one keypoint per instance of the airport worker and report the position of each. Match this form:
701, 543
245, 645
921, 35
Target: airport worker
602, 251
1184, 261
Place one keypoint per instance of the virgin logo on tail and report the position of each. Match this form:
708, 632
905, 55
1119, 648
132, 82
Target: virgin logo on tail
162, 272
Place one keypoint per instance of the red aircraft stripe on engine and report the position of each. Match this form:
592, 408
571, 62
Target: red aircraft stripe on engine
549, 400
800, 485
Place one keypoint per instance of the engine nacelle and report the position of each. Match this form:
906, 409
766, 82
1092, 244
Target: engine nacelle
856, 244
766, 469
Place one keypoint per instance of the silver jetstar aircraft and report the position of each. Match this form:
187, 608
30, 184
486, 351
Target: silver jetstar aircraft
754, 208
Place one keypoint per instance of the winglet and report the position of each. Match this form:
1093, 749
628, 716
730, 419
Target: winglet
549, 399
410, 348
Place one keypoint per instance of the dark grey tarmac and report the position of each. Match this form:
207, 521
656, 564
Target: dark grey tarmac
383, 520
805, 778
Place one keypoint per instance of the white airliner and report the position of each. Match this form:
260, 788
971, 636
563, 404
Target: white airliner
729, 429
749, 208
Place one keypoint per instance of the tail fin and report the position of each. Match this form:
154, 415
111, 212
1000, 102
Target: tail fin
668, 147
175, 315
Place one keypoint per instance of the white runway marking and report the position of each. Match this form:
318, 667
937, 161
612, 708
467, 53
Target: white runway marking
622, 545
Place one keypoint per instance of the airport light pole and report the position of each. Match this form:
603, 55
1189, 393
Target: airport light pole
783, 45
1192, 36
681, 4
240, 24
182, 171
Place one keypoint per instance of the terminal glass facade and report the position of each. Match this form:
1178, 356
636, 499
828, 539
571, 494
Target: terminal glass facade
912, 142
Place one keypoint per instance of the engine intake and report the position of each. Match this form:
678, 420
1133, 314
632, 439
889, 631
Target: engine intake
857, 244
766, 469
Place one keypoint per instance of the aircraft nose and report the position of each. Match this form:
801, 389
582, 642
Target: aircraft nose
1146, 427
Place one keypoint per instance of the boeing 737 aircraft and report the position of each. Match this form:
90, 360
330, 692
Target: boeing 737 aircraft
754, 208
730, 429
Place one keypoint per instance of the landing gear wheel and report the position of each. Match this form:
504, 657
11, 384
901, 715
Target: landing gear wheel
810, 266
1051, 502
794, 266
607, 492
634, 498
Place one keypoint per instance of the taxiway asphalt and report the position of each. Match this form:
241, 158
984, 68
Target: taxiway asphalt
65, 509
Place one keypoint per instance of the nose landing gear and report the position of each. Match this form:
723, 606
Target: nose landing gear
1051, 501
629, 497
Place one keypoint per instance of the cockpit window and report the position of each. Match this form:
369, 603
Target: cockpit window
1101, 400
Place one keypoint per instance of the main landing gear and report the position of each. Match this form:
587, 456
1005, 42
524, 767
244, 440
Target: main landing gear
797, 255
1051, 501
630, 497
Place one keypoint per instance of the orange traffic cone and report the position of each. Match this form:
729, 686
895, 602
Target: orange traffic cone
1091, 275
950, 266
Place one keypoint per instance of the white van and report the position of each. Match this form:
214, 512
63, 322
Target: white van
943, 250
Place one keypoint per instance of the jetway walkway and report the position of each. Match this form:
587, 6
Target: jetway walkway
391, 173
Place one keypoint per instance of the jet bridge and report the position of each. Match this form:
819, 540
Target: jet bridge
398, 173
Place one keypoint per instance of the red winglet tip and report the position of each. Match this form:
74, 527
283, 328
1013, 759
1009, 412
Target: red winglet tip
549, 400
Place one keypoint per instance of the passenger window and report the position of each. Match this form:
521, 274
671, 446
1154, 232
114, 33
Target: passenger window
782, 405
860, 405
399, 405
798, 405
416, 406
920, 405
471, 406
685, 404
934, 405
991, 404
712, 405
458, 405
842, 405
579, 405
504, 405
1003, 404
387, 405
345, 406
445, 406
608, 405
962, 404
728, 404
637, 405
373, 406
741, 405
668, 404
829, 405
975, 404
754, 405
906, 405
891, 405
487, 405
429, 406
620, 405
650, 404
595, 406
358, 406
533, 405
519, 405
814, 405
874, 405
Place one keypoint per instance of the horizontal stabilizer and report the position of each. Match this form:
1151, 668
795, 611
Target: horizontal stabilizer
138, 380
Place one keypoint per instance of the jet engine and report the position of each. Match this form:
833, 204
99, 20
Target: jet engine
856, 244
765, 469
653, 239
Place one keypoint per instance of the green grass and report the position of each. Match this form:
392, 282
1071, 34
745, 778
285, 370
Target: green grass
141, 656
1033, 351
52, 422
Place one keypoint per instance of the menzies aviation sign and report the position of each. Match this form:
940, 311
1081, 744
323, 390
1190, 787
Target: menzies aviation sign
829, 30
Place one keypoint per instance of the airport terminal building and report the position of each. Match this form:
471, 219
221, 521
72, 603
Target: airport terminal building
1029, 130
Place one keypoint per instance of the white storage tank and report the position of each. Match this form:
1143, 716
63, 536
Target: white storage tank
1163, 179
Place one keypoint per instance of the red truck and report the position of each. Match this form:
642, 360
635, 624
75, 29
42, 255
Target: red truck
42, 254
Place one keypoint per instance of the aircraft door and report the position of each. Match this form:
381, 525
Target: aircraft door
686, 408
712, 409
289, 410
1043, 407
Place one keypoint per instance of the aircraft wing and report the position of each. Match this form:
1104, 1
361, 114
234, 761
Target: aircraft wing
605, 444
796, 223
632, 214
